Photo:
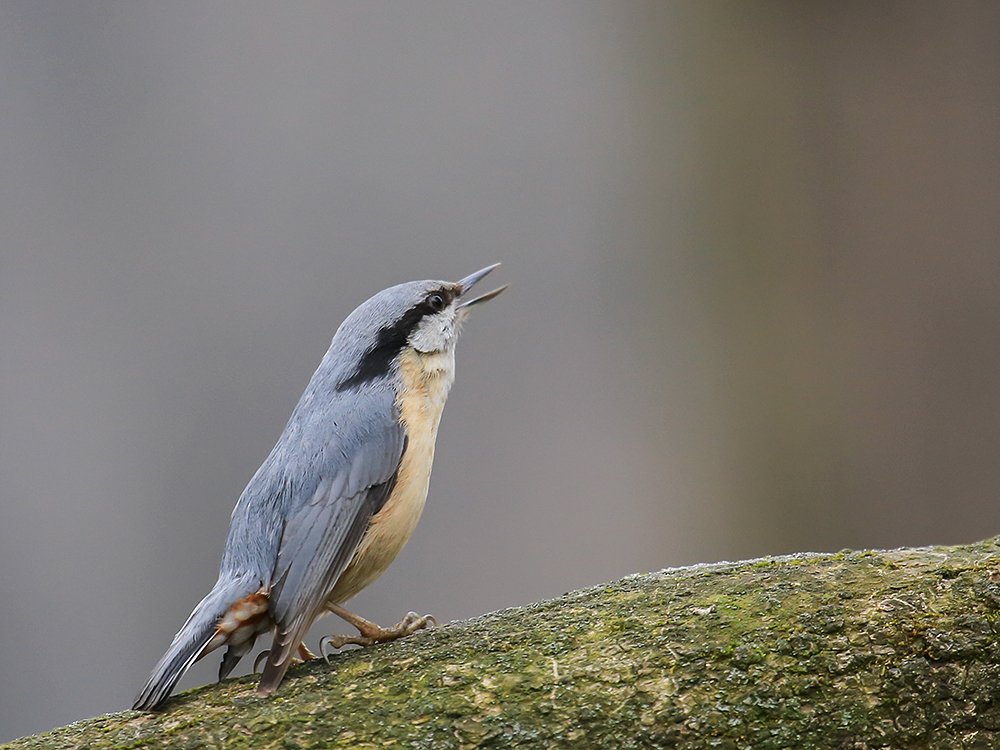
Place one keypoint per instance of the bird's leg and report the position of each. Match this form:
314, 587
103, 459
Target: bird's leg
370, 632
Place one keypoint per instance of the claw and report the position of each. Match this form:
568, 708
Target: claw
304, 654
328, 644
370, 633
414, 622
260, 657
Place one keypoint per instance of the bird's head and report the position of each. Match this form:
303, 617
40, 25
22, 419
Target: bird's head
425, 316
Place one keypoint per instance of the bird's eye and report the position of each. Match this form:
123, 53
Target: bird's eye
436, 302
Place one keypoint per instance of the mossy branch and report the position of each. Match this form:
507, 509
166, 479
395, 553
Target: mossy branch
890, 649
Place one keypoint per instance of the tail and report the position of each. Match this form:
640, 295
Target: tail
189, 643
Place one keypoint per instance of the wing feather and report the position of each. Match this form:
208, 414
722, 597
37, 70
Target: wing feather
322, 532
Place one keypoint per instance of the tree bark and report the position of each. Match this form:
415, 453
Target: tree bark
893, 649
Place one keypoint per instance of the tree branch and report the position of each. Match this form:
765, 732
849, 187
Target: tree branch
889, 649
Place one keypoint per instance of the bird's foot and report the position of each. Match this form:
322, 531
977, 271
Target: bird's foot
370, 633
304, 655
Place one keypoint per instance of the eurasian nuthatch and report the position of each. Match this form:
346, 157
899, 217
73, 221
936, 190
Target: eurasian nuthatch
340, 493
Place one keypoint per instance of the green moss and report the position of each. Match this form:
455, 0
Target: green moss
860, 649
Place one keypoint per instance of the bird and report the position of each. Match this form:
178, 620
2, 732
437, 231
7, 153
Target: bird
339, 494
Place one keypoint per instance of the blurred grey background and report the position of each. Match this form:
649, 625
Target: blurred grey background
754, 303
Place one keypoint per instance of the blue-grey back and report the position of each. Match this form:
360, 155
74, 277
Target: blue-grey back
350, 437
352, 440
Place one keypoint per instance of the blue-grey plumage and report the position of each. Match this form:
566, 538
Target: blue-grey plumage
339, 494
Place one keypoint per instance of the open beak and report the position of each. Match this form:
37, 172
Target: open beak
469, 281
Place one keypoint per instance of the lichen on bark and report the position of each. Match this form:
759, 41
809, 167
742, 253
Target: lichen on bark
877, 649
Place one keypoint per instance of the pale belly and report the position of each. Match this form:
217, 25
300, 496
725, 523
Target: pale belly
427, 380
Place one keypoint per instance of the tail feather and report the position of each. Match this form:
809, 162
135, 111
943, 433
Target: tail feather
190, 642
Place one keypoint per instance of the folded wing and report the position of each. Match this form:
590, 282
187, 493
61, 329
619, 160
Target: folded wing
325, 526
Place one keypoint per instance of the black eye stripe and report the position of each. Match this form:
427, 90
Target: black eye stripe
391, 339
